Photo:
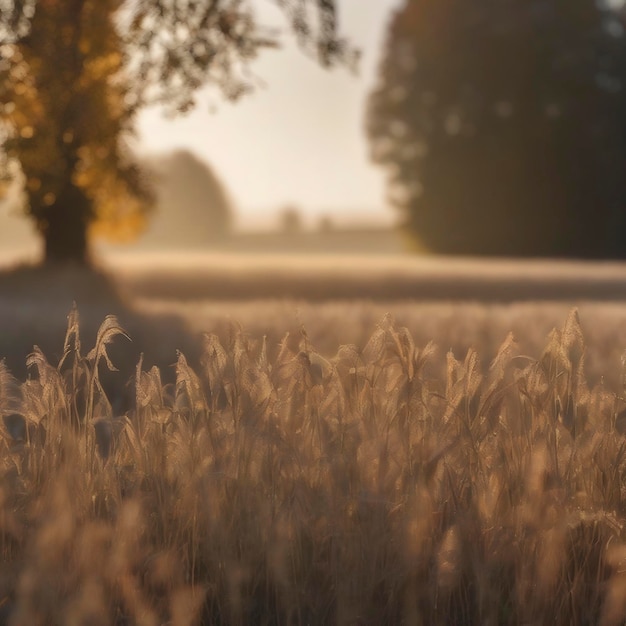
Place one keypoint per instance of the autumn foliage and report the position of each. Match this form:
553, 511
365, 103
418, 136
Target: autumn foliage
75, 73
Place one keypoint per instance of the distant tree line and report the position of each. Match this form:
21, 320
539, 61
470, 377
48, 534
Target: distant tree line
502, 126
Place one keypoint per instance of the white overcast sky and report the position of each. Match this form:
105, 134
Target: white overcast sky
299, 139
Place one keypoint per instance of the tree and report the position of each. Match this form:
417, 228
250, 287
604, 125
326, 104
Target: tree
74, 74
193, 207
503, 126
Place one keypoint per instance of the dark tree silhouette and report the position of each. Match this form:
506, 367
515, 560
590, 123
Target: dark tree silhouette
74, 74
192, 205
503, 126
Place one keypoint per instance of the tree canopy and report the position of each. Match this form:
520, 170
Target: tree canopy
193, 206
502, 125
74, 74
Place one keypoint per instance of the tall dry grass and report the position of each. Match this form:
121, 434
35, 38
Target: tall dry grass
275, 486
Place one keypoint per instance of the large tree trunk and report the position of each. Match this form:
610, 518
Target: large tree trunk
64, 228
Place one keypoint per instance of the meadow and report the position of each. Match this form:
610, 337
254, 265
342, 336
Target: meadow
377, 458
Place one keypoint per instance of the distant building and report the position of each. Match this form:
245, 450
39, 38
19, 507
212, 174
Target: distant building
291, 220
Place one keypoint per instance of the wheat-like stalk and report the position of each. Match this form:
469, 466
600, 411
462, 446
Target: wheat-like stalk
275, 485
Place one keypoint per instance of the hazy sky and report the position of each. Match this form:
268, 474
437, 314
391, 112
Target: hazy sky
299, 139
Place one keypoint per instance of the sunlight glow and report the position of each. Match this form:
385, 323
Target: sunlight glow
299, 140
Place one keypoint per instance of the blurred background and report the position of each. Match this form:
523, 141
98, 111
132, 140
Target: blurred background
492, 129
276, 169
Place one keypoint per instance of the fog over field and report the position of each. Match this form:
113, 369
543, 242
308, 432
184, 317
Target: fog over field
392, 277
458, 303
166, 301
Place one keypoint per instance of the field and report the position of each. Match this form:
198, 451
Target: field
313, 457
338, 300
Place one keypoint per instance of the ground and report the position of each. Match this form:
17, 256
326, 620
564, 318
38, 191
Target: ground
291, 480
